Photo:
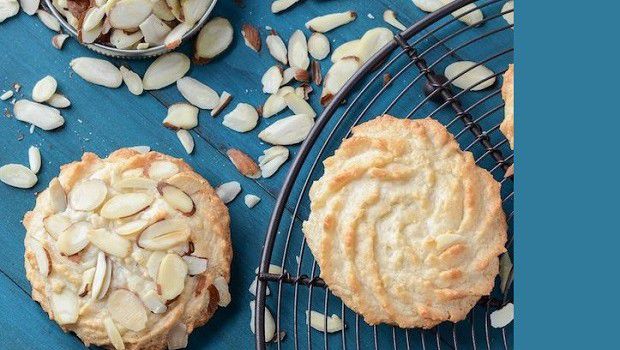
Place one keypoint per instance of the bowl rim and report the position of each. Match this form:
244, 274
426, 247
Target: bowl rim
127, 53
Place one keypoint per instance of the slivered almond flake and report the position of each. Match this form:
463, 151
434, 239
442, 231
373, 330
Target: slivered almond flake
322, 323
97, 71
161, 10
65, 306
331, 21
175, 36
337, 76
142, 46
131, 227
298, 105
89, 36
87, 281
113, 334
122, 40
17, 175
164, 234
44, 89
274, 105
244, 163
276, 47
56, 224
126, 309
171, 276
350, 48
34, 159
197, 93
129, 14
186, 183
162, 169
285, 90
58, 101
213, 39
132, 80
88, 195
186, 140
222, 289
110, 242
9, 8
242, 119
469, 75
153, 302
193, 10
178, 337
133, 183
270, 325
152, 264
272, 159
288, 131
126, 204
41, 257
73, 239
57, 199
41, 116
288, 75
58, 40
181, 116
48, 20
318, 46
372, 41
389, 16
272, 80
224, 100
281, 5
502, 317
251, 200
195, 264
165, 70
298, 50
228, 191
317, 75
176, 198
251, 37
93, 17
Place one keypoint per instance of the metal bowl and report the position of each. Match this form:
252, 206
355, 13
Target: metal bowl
127, 53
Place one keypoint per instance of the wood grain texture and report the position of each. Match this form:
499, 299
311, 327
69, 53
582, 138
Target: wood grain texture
101, 120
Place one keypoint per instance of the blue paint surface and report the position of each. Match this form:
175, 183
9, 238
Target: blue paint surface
101, 120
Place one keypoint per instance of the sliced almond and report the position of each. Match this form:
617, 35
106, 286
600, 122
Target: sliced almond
298, 105
270, 325
9, 8
93, 17
152, 264
222, 290
213, 39
41, 116
58, 101
89, 36
274, 105
135, 183
17, 175
132, 80
251, 200
110, 242
187, 183
41, 257
389, 16
131, 227
276, 47
285, 90
244, 163
318, 46
141, 149
337, 76
242, 119
288, 75
65, 306
272, 159
272, 80
221, 104
88, 195
171, 276
372, 41
44, 89
87, 281
162, 169
281, 5
469, 75
175, 8
197, 93
57, 199
128, 14
317, 75
165, 70
126, 204
34, 159
178, 337
73, 239
195, 264
175, 37
161, 10
58, 40
350, 48
176, 198
97, 71
502, 317
323, 323
48, 20
298, 50
331, 21
251, 37
113, 334
127, 310
193, 10
122, 40
181, 116
288, 131
56, 224
153, 302
186, 139
228, 191
164, 234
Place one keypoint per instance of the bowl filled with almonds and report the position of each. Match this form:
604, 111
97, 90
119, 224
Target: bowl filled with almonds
131, 28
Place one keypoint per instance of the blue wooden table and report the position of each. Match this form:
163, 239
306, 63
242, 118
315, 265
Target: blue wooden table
101, 120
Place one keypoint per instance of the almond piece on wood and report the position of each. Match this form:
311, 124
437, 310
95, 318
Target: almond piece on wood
197, 93
132, 80
165, 70
298, 50
273, 105
244, 163
389, 16
272, 159
44, 89
34, 159
58, 40
318, 46
224, 100
241, 119
39, 115
288, 131
337, 76
298, 105
17, 175
272, 79
251, 37
186, 139
213, 39
181, 116
281, 5
97, 71
317, 75
58, 101
228, 191
276, 47
323, 24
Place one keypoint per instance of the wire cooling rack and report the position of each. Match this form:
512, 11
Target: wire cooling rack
403, 79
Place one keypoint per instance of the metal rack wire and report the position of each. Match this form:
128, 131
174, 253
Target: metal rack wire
412, 60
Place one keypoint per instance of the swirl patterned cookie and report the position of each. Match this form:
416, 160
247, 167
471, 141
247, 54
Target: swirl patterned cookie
405, 227
129, 252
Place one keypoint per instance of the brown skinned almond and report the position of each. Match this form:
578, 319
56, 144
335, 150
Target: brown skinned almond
244, 163
251, 37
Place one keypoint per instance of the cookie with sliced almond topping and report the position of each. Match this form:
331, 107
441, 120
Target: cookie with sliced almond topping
132, 251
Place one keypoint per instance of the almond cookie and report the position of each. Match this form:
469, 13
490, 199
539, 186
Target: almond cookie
507, 126
405, 227
129, 252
